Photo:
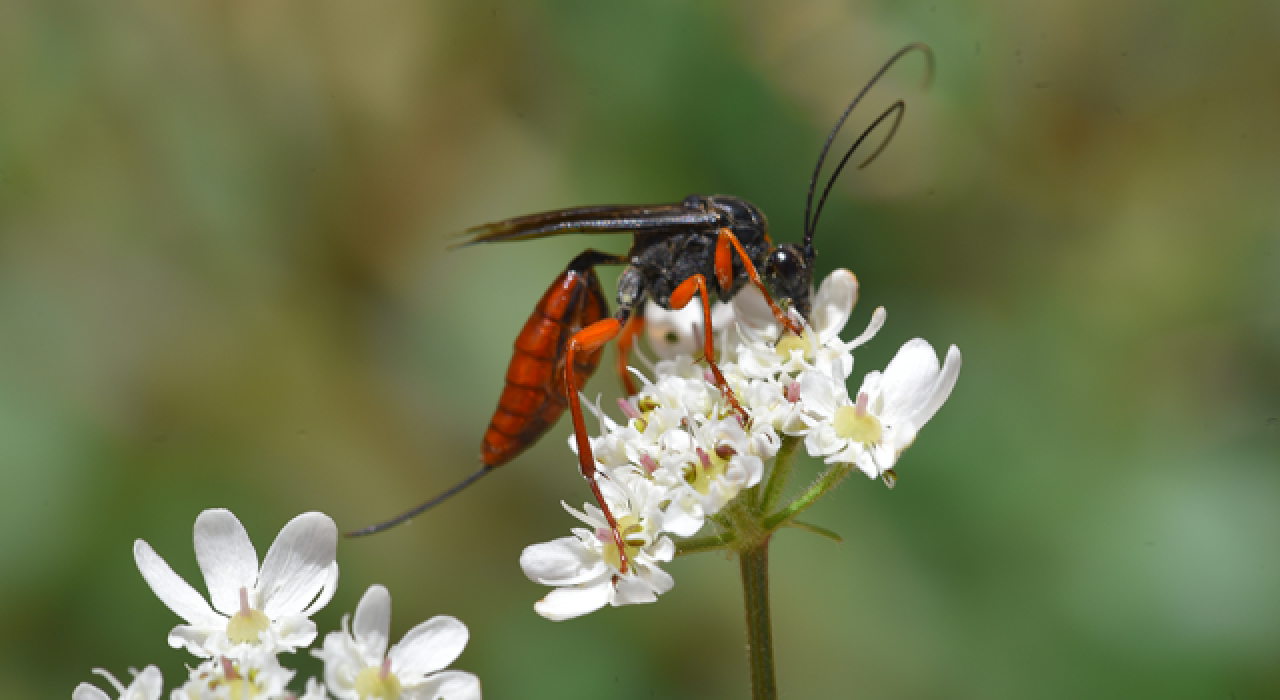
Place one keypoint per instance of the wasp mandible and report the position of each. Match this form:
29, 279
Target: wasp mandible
706, 245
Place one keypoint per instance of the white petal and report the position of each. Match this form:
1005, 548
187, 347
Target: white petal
673, 333
226, 557
293, 630
372, 624
822, 440
868, 465
84, 691
682, 522
449, 685
175, 593
632, 591
877, 321
298, 565
430, 646
752, 311
659, 580
566, 603
201, 641
326, 593
941, 389
833, 303
909, 379
561, 562
818, 394
663, 550
149, 683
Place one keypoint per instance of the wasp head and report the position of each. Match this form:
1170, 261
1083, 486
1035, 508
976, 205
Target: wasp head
789, 273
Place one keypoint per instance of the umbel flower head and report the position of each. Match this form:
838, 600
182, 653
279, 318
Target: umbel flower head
682, 457
358, 665
254, 609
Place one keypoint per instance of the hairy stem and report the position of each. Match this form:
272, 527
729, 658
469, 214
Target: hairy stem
824, 483
754, 563
710, 543
780, 472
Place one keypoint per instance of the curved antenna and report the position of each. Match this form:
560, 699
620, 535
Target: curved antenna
900, 108
380, 527
811, 223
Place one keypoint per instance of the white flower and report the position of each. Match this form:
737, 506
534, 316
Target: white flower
680, 332
315, 691
890, 408
358, 666
256, 674
763, 353
266, 609
704, 468
145, 686
586, 569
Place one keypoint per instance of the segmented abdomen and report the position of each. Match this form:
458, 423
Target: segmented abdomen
535, 395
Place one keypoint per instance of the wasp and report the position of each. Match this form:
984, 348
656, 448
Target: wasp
709, 246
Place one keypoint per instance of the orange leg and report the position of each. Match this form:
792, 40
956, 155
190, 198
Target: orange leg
697, 284
724, 275
627, 340
590, 339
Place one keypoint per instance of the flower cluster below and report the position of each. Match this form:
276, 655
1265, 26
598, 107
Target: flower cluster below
681, 455
258, 613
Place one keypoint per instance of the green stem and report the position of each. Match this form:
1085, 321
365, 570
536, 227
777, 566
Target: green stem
710, 543
754, 563
782, 465
825, 482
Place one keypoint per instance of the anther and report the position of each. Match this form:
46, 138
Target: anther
704, 458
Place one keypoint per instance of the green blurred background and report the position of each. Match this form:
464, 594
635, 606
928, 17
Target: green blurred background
223, 282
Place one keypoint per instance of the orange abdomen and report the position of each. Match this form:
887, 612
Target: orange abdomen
535, 394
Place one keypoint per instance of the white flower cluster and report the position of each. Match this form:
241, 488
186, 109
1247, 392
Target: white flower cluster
683, 453
258, 613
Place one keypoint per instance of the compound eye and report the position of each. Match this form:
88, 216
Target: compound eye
784, 264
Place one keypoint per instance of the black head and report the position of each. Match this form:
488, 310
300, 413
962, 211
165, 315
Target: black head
789, 273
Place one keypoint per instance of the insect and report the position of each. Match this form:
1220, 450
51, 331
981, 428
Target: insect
705, 246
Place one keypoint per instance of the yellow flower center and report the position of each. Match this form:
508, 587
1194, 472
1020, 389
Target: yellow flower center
789, 342
241, 689
378, 683
699, 474
632, 530
857, 425
246, 625
230, 685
